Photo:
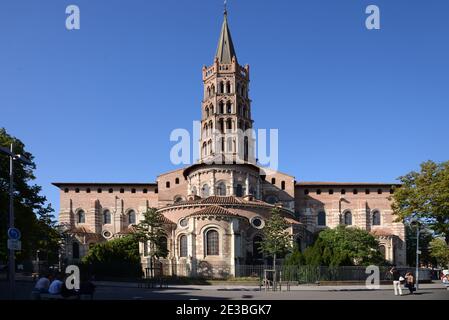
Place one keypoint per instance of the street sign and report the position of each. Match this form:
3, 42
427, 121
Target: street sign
14, 244
14, 234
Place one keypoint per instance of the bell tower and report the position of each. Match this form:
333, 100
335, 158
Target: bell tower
226, 124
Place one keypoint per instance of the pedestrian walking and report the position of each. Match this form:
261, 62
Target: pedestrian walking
396, 281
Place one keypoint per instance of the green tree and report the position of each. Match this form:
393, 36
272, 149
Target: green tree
276, 239
425, 237
116, 258
424, 196
295, 258
440, 251
344, 246
33, 216
151, 230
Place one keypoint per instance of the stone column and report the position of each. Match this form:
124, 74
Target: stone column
189, 186
247, 184
212, 183
231, 182
232, 255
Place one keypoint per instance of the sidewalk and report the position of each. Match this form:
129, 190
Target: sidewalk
229, 287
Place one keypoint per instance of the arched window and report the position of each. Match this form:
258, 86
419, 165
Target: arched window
376, 218
178, 199
273, 180
229, 124
207, 112
221, 87
177, 181
221, 189
204, 149
131, 217
212, 246
75, 250
211, 109
382, 250
205, 192
145, 248
194, 191
239, 190
107, 217
299, 243
212, 89
209, 146
257, 254
230, 144
221, 107
283, 185
348, 218
81, 217
321, 218
208, 92
228, 87
228, 107
183, 246
163, 243
239, 110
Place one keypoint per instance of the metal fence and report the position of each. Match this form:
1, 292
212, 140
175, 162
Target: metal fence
299, 274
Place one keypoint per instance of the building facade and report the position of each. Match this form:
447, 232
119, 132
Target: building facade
215, 210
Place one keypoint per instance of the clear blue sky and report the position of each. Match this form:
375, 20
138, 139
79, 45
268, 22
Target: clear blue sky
350, 104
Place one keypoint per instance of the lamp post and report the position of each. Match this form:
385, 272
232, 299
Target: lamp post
418, 252
12, 264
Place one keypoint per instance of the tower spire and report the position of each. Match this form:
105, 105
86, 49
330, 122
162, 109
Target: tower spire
225, 49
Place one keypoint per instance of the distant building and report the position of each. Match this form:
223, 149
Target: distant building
216, 209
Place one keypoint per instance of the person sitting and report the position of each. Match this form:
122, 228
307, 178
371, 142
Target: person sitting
43, 284
56, 286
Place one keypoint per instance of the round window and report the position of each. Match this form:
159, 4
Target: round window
183, 222
257, 223
107, 234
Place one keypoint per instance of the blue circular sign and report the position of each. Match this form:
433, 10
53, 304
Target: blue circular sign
14, 234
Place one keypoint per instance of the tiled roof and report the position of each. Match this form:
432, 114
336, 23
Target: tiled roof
219, 200
291, 220
382, 232
79, 230
128, 230
167, 220
318, 183
214, 211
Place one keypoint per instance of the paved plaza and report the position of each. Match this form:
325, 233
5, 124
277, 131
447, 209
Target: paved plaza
130, 291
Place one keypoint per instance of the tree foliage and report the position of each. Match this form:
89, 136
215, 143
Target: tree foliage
440, 251
344, 246
33, 216
276, 239
118, 257
425, 237
151, 229
424, 196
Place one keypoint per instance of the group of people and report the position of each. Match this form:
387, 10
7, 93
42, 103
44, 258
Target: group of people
55, 285
398, 281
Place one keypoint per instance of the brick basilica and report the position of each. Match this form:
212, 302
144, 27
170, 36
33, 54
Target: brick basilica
215, 210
